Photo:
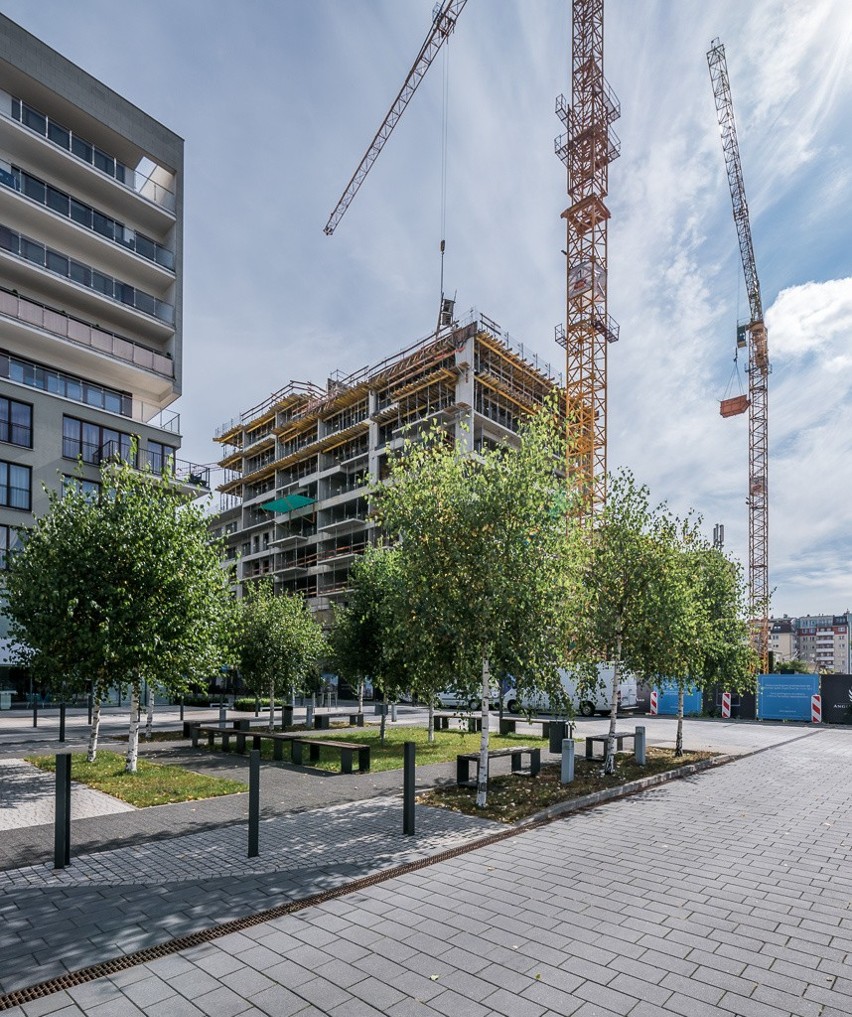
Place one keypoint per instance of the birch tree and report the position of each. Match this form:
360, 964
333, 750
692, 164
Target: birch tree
278, 643
717, 648
361, 639
484, 560
120, 588
634, 606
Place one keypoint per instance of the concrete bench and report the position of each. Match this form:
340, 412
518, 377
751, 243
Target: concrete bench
322, 721
517, 753
468, 721
240, 735
347, 751
620, 737
553, 730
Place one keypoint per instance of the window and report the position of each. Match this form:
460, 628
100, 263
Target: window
10, 542
82, 439
90, 488
15, 484
16, 423
159, 455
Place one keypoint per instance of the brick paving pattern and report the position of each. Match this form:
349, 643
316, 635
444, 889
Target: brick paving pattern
729, 893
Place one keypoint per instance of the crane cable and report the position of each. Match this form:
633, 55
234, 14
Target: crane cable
445, 100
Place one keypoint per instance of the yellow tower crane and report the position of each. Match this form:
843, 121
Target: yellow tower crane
587, 148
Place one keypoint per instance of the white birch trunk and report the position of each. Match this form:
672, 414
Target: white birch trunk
384, 721
431, 729
149, 720
132, 756
360, 697
609, 762
679, 739
271, 707
482, 782
92, 751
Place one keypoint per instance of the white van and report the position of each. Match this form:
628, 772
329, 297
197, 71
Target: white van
587, 703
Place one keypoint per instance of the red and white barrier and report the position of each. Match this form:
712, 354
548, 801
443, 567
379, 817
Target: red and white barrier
726, 705
816, 709
653, 702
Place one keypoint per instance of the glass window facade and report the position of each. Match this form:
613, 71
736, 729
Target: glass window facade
15, 486
26, 372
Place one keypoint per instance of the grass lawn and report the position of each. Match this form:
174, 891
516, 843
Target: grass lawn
444, 749
511, 798
152, 784
156, 736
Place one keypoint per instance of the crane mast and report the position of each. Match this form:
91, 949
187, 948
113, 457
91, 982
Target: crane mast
758, 364
444, 19
587, 148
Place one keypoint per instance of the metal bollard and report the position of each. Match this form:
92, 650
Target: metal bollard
35, 713
62, 722
89, 704
62, 814
223, 711
393, 713
408, 789
567, 775
257, 706
254, 804
181, 707
639, 745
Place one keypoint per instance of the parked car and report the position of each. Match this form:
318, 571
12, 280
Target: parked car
586, 702
453, 699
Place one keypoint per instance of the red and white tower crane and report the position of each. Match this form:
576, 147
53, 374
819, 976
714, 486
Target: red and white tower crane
758, 367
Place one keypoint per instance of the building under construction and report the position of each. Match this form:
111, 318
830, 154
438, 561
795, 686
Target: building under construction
296, 496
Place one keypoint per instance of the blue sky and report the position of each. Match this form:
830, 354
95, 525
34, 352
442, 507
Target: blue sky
277, 99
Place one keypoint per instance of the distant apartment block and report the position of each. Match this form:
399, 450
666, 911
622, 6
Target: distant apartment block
91, 251
295, 497
782, 639
824, 641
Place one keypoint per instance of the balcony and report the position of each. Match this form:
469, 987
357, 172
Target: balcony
186, 474
75, 330
147, 180
76, 215
36, 255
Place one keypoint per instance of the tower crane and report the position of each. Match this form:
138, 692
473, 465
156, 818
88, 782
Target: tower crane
444, 17
758, 366
587, 148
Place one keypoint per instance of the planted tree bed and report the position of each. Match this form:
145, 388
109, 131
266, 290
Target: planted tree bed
152, 784
511, 799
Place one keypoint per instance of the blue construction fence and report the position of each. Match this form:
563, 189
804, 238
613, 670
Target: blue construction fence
779, 697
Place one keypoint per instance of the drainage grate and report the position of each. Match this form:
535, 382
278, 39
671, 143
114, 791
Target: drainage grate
110, 967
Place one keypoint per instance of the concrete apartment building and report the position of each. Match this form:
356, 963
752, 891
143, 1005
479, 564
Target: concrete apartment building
822, 640
91, 248
295, 499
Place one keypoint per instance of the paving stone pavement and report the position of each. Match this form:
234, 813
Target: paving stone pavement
27, 797
729, 893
